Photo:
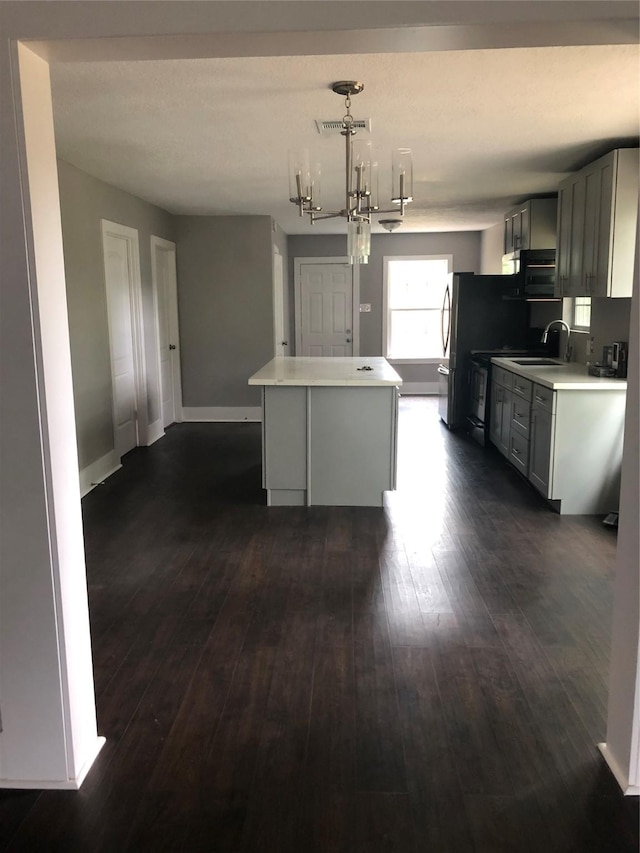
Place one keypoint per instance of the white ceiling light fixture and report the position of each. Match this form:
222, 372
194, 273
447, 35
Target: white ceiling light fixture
361, 183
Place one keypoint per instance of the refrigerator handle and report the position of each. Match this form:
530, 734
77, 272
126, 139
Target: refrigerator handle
446, 307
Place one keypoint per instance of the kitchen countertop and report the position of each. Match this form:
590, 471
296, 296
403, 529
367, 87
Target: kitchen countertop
565, 377
305, 370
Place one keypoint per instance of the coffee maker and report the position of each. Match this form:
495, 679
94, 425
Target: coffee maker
619, 352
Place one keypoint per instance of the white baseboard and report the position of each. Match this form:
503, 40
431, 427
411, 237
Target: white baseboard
621, 777
57, 784
221, 414
156, 431
419, 388
98, 471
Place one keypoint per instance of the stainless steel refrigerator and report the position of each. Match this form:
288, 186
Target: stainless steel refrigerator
474, 316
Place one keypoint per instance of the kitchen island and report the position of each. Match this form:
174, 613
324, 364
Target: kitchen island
329, 430
562, 429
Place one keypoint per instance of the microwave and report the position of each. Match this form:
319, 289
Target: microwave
530, 274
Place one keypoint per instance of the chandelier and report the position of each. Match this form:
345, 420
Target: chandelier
361, 183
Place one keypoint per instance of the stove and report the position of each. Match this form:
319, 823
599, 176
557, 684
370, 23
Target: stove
480, 388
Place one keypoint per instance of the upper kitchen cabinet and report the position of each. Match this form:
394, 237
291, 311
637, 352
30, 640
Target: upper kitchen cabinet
530, 225
597, 221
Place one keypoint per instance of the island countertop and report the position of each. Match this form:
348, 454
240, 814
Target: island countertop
327, 371
562, 376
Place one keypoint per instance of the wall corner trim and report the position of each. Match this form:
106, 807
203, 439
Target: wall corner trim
55, 784
221, 414
621, 777
98, 471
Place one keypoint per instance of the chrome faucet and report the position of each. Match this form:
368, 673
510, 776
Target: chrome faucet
545, 335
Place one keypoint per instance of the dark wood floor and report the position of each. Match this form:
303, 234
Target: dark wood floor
427, 677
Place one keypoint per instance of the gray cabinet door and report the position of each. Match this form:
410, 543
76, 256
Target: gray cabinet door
500, 429
540, 450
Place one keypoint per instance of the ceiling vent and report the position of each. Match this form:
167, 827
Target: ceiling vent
333, 128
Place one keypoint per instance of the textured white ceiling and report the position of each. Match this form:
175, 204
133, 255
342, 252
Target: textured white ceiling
488, 128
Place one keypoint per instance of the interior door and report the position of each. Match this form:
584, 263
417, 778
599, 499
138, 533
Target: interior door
326, 309
118, 269
163, 258
280, 342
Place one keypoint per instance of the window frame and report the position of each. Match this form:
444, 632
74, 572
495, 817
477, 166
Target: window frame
386, 325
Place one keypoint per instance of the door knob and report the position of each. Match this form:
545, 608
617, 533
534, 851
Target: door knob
172, 346
348, 340
284, 343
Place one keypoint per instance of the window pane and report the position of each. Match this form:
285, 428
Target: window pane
417, 284
582, 312
415, 334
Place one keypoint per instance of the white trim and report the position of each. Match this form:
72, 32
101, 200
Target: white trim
130, 235
156, 431
221, 414
297, 298
97, 471
393, 361
385, 301
621, 777
409, 388
56, 784
174, 325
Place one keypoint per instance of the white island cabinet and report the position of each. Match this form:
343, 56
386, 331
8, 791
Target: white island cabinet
329, 430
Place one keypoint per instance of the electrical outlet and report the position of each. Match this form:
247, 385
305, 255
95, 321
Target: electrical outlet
365, 308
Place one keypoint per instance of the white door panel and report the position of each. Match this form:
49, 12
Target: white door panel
119, 286
163, 254
280, 342
326, 309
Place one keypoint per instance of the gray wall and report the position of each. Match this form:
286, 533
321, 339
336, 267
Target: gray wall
463, 245
225, 297
610, 320
492, 249
84, 201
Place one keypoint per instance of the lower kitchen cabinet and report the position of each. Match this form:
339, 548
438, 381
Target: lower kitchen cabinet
567, 443
576, 440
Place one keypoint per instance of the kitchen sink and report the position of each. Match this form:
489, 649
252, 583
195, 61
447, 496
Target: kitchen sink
538, 362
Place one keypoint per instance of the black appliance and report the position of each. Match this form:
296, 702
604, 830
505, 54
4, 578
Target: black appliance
474, 317
530, 274
477, 421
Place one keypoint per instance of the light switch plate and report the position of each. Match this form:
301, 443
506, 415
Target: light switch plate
365, 307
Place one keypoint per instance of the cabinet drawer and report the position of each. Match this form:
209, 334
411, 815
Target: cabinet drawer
502, 377
520, 416
543, 397
519, 452
522, 387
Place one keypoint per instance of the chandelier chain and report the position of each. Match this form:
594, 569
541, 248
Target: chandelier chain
347, 120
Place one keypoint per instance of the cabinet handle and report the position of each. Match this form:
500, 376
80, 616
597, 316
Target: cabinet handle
515, 452
540, 399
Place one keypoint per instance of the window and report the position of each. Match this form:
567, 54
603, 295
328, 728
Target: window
581, 319
413, 294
